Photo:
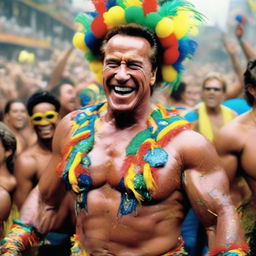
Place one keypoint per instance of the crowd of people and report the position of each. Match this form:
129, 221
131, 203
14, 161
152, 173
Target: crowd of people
125, 167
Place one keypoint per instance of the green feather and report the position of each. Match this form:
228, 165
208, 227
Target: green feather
85, 20
90, 56
170, 8
137, 141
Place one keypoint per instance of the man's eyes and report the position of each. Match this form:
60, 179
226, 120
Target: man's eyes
131, 65
134, 65
112, 64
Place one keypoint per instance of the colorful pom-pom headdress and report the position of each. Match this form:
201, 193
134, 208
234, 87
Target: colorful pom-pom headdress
172, 21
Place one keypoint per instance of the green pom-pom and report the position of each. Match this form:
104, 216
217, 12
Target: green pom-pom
135, 14
90, 56
151, 20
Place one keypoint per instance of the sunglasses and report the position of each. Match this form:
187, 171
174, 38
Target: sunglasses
216, 89
44, 118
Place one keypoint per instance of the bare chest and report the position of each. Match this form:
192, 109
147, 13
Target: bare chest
41, 161
108, 162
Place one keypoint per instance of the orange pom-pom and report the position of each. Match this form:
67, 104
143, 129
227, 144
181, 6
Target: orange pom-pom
98, 27
169, 41
149, 6
171, 55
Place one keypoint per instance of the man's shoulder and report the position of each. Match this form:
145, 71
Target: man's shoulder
28, 154
86, 112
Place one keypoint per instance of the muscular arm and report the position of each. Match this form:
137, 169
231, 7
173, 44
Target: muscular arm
207, 187
227, 146
25, 171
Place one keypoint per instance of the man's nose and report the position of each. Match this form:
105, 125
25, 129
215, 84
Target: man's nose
122, 73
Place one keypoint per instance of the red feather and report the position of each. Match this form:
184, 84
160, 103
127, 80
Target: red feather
149, 6
100, 6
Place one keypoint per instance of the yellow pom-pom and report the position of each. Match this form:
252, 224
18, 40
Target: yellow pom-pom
99, 77
169, 73
114, 17
78, 41
23, 56
164, 27
96, 66
180, 25
31, 57
129, 3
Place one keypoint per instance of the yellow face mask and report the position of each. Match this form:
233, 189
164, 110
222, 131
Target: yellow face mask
44, 118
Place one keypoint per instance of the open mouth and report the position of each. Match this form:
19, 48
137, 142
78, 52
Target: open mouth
123, 90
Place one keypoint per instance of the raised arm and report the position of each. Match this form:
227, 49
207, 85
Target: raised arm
236, 88
207, 187
248, 51
59, 68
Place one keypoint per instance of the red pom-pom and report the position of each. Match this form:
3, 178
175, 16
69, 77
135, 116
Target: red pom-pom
100, 6
98, 27
149, 6
171, 55
169, 41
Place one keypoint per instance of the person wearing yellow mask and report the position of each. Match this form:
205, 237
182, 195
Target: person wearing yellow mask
43, 110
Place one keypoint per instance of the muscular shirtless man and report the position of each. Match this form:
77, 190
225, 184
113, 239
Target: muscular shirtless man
235, 144
132, 165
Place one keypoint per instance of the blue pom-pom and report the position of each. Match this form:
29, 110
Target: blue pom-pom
110, 3
156, 157
239, 18
92, 41
84, 182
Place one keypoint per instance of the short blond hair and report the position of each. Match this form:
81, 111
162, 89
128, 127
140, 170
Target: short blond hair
217, 76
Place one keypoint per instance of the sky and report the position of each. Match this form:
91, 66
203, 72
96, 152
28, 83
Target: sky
214, 10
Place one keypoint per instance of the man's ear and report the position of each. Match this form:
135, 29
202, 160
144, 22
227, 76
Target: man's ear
252, 91
8, 153
153, 77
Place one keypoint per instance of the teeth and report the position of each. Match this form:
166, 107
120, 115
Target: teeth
122, 89
45, 129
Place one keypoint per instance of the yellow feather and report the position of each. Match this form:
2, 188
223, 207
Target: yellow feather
129, 182
150, 183
71, 174
170, 127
